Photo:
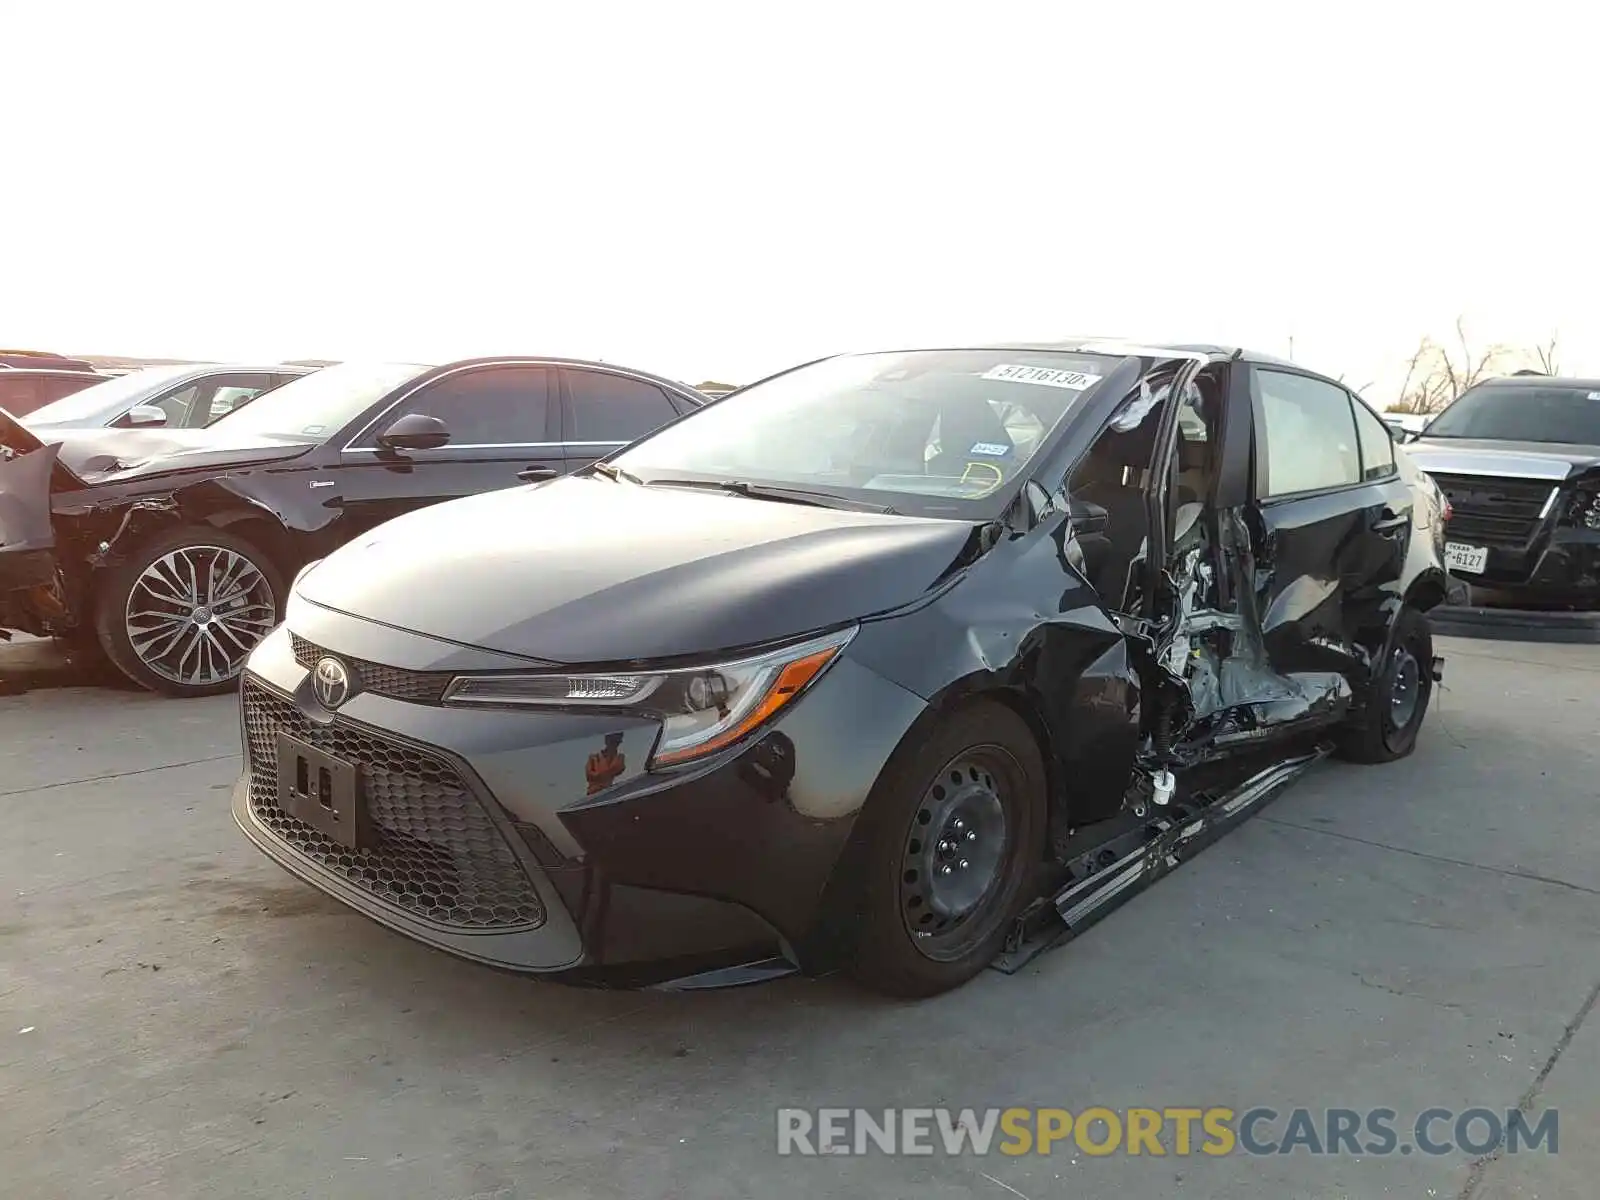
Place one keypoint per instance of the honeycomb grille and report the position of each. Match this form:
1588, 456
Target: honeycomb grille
437, 854
418, 687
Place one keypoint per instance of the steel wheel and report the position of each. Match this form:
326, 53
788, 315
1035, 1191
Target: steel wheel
955, 855
1405, 688
1384, 724
194, 614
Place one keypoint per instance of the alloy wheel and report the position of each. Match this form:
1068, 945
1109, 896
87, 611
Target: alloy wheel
194, 615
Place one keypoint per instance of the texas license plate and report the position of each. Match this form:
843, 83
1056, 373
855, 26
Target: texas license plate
1469, 560
322, 791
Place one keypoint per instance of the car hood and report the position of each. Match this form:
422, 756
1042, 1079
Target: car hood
587, 570
1553, 461
96, 456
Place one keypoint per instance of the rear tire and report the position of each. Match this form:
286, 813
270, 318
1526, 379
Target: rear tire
934, 917
1386, 728
181, 613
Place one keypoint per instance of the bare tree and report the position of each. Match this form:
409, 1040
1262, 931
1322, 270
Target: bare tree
1437, 374
1546, 356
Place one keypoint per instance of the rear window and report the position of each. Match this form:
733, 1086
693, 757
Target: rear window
1499, 412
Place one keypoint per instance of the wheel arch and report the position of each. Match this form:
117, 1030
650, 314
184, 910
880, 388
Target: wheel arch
834, 934
261, 531
1427, 591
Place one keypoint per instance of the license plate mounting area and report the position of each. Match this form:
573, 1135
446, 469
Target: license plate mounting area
323, 791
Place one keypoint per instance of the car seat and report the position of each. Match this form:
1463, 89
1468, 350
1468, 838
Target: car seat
963, 426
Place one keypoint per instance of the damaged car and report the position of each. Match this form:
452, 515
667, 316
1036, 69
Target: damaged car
170, 550
1519, 459
179, 396
905, 664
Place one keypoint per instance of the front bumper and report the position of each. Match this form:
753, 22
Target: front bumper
1562, 567
28, 597
490, 846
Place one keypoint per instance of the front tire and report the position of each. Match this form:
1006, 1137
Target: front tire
955, 834
181, 614
1397, 700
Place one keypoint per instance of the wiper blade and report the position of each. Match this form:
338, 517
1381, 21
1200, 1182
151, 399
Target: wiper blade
768, 491
614, 472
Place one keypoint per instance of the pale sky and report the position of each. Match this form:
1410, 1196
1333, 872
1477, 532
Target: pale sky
722, 190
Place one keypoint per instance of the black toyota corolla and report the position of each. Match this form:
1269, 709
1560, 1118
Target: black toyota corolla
866, 666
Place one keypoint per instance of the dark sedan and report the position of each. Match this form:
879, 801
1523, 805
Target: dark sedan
170, 550
905, 663
1519, 459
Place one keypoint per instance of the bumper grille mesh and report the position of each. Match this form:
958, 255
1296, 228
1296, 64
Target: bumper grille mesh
438, 855
418, 687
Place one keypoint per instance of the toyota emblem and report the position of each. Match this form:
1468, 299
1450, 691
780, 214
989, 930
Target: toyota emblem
331, 682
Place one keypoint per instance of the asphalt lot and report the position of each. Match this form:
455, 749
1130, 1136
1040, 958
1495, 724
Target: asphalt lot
180, 1018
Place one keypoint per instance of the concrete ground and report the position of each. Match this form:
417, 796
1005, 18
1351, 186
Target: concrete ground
180, 1018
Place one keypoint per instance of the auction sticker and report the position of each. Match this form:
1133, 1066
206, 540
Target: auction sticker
1043, 376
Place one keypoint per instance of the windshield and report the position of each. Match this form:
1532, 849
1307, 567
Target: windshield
109, 399
320, 404
1522, 414
935, 432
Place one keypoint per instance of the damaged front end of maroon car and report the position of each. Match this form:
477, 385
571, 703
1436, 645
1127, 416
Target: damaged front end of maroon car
34, 596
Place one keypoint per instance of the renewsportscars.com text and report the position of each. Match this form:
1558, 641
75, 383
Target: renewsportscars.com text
1161, 1132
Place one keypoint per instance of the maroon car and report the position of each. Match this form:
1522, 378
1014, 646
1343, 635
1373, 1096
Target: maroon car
25, 389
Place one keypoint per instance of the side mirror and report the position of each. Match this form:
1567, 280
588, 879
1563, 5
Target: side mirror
1087, 518
415, 431
145, 415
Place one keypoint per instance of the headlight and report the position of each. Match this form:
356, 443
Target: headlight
701, 709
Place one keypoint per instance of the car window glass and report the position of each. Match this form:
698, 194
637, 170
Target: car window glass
614, 408
1377, 446
176, 404
1516, 412
1310, 434
227, 396
493, 406
937, 432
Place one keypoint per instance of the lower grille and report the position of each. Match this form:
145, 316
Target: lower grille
1494, 512
438, 855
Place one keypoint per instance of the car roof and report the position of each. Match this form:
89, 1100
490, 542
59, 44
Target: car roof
1117, 346
55, 372
179, 370
1107, 345
43, 358
1542, 381
552, 360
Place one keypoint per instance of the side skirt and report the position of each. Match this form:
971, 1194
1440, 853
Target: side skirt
1127, 861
